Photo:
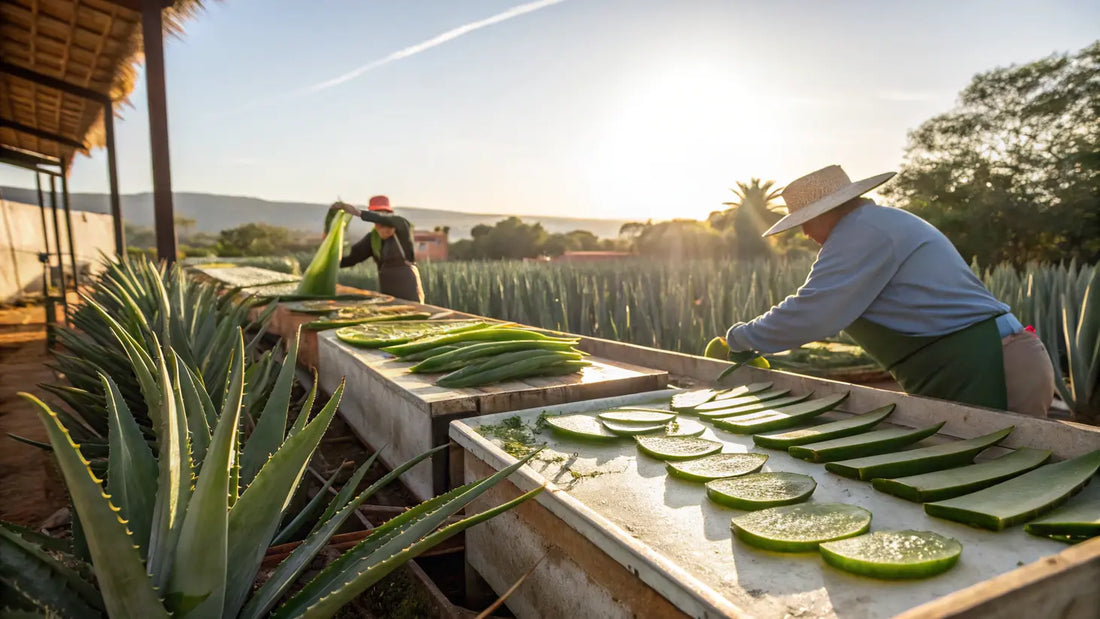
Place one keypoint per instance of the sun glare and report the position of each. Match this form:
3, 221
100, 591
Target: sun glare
674, 144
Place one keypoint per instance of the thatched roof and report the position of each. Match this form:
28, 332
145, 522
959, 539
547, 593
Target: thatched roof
91, 44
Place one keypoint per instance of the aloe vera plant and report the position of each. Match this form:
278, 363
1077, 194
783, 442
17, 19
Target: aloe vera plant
1081, 329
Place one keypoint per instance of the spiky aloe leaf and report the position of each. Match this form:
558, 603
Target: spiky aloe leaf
348, 491
196, 404
120, 574
271, 427
255, 517
131, 468
285, 574
198, 580
39, 539
391, 538
329, 605
310, 512
307, 408
54, 587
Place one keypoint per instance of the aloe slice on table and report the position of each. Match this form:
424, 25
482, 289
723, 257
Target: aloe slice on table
866, 444
684, 427
761, 490
1079, 519
717, 466
743, 390
780, 418
917, 461
637, 416
940, 485
894, 555
632, 429
754, 398
823, 432
686, 400
580, 426
1022, 498
755, 407
677, 447
802, 527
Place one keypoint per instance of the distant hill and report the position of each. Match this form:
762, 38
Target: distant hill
216, 212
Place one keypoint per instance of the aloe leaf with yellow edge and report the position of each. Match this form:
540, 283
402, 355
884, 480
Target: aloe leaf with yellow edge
271, 426
255, 516
120, 573
131, 468
199, 411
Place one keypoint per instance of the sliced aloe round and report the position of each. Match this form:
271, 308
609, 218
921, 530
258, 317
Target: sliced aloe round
623, 428
677, 447
637, 416
894, 555
761, 490
800, 528
684, 427
718, 466
580, 426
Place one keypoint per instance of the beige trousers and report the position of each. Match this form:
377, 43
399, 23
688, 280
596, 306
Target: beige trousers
1029, 375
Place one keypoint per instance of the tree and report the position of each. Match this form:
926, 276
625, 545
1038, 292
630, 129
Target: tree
255, 239
681, 239
750, 215
1013, 171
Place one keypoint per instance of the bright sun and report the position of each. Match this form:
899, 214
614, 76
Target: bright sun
674, 144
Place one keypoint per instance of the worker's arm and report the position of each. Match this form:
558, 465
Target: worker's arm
360, 251
375, 217
853, 267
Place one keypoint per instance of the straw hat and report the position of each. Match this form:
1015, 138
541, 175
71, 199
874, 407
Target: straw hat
820, 192
380, 203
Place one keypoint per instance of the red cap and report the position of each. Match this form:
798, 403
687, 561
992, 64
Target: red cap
380, 203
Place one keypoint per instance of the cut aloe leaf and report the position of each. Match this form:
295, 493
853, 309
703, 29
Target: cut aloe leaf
866, 444
687, 400
800, 528
684, 427
917, 461
1022, 498
580, 426
718, 466
743, 390
677, 447
761, 490
780, 418
940, 485
632, 429
723, 413
825, 431
754, 398
1079, 519
637, 416
894, 555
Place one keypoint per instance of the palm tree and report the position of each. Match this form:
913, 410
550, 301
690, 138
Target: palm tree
754, 212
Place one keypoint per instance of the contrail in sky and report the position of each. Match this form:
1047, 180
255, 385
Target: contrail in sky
450, 35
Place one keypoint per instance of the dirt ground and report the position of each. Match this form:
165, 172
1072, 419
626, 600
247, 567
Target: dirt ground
31, 487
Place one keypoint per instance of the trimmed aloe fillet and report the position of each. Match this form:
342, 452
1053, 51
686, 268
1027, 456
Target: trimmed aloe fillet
1022, 498
894, 555
580, 426
376, 335
677, 447
753, 398
755, 407
780, 418
718, 466
800, 528
623, 428
1078, 519
867, 444
690, 399
825, 431
684, 427
637, 416
761, 490
917, 461
940, 485
743, 390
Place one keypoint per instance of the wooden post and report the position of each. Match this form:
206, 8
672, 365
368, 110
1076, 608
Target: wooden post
112, 178
69, 224
57, 244
153, 40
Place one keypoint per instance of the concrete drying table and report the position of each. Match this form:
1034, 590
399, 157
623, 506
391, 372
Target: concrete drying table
386, 405
622, 538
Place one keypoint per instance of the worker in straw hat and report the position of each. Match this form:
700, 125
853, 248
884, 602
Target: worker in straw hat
900, 289
390, 244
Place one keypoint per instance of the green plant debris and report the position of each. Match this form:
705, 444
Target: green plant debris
517, 438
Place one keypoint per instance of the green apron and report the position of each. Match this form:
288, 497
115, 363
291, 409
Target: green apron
965, 366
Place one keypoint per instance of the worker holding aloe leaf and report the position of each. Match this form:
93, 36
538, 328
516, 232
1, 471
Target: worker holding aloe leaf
900, 289
390, 245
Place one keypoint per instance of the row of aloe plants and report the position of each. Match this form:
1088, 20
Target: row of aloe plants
681, 306
191, 429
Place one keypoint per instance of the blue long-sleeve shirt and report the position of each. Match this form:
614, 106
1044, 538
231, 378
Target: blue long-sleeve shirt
888, 266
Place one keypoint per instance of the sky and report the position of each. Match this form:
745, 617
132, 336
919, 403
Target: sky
619, 109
